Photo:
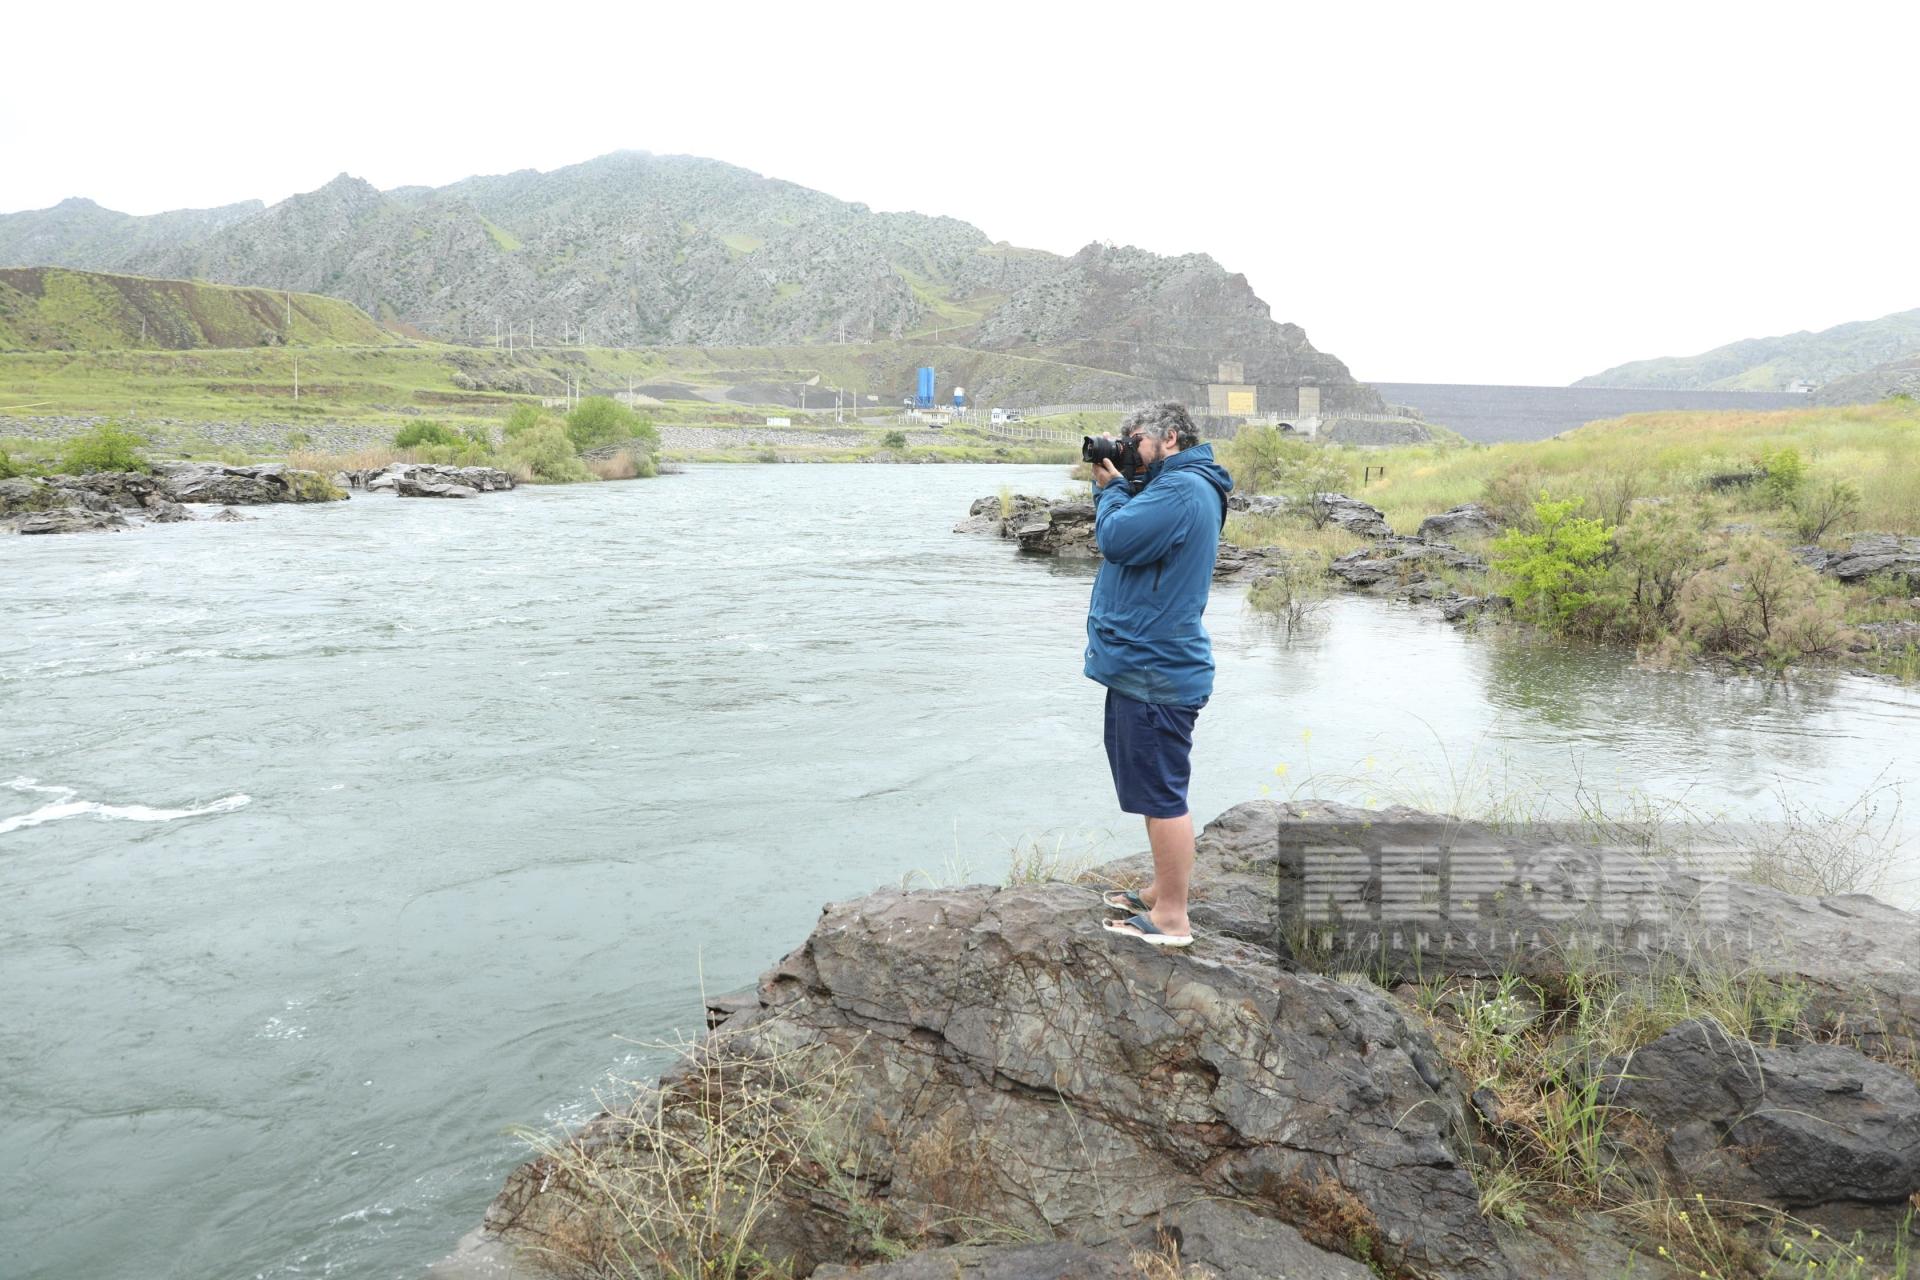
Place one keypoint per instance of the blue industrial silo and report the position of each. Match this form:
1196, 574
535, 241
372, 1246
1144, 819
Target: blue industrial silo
923, 397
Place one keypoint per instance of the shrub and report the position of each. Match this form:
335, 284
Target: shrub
1761, 603
524, 418
602, 420
894, 440
1558, 570
107, 447
628, 464
7, 470
544, 454
1264, 460
1510, 496
1817, 511
1658, 548
416, 434
1785, 471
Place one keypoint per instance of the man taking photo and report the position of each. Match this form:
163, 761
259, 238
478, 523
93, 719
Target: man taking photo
1146, 644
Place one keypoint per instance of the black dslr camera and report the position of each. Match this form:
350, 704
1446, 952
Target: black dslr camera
1123, 454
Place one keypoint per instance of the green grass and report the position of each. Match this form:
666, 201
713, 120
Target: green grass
54, 309
508, 242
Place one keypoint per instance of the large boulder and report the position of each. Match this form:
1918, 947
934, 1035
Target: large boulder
409, 487
995, 515
242, 486
1411, 566
1006, 1061
1869, 556
1065, 528
23, 495
68, 520
1469, 520
118, 488
1802, 1126
1353, 515
429, 480
1257, 504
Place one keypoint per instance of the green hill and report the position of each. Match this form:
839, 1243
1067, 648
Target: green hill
1771, 364
56, 309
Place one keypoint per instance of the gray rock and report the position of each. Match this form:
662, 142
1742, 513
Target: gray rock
986, 514
1066, 529
161, 511
1008, 1061
1855, 959
1354, 516
242, 486
228, 515
1798, 1126
1402, 564
1233, 562
1469, 520
113, 488
1256, 504
1869, 555
1460, 608
68, 520
1890, 636
1059, 1260
23, 495
409, 487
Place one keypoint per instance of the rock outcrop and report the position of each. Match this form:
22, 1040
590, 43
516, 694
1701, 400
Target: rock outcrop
86, 503
427, 480
1004, 1063
1407, 566
1869, 555
1816, 1128
1469, 520
1009, 1062
1358, 518
266, 482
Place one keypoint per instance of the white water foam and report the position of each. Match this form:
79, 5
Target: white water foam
68, 807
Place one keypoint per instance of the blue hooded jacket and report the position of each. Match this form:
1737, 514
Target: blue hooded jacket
1144, 636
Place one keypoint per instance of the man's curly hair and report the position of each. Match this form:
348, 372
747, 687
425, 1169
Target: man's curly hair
1167, 420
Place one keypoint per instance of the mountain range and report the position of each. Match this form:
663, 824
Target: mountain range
1774, 364
634, 249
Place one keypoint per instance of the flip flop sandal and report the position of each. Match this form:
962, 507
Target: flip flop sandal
1124, 900
1142, 928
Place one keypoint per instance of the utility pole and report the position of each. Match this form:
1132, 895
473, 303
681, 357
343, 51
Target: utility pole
143, 331
296, 377
289, 315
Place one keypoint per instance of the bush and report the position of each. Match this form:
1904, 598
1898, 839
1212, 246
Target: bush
1761, 603
524, 418
545, 455
7, 470
416, 434
1818, 511
601, 420
1785, 471
1510, 496
1658, 548
107, 447
1559, 570
894, 440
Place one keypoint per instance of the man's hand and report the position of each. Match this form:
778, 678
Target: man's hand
1104, 473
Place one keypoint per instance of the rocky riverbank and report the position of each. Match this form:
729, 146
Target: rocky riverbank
112, 500
263, 437
978, 1081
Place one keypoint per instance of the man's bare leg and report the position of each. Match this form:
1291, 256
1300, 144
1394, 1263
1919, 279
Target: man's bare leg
1172, 841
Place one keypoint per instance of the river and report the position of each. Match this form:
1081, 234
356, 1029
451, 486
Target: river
336, 845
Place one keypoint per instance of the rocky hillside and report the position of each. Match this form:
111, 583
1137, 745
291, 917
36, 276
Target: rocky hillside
79, 233
1894, 378
52, 309
1770, 364
636, 249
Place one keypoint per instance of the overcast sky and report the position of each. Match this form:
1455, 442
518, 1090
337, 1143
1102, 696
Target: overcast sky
1448, 193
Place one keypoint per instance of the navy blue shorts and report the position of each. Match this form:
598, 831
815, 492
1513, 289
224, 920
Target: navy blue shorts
1147, 748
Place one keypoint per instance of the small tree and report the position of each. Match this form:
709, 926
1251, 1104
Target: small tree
1825, 506
525, 417
545, 454
1659, 548
107, 447
1557, 571
1761, 603
603, 420
894, 440
416, 434
1785, 472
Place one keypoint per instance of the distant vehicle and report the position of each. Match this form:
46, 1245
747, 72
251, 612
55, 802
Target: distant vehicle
1016, 417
